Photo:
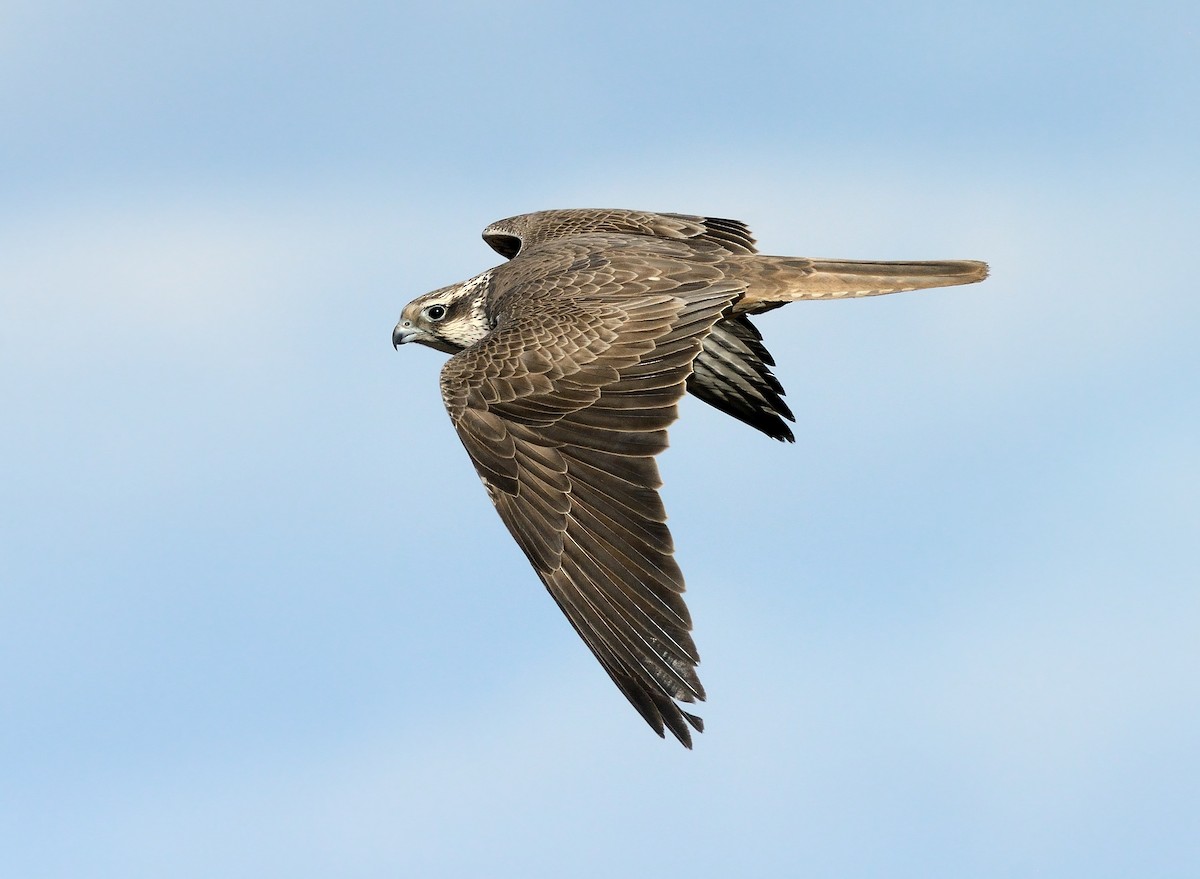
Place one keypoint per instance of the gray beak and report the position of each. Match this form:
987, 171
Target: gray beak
403, 334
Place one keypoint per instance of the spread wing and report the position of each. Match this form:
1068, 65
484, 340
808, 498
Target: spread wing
562, 409
509, 237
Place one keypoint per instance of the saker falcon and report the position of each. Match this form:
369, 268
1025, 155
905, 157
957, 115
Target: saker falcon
569, 363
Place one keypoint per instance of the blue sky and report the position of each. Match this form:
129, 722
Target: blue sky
259, 618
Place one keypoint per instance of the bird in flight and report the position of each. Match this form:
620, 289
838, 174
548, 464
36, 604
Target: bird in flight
569, 363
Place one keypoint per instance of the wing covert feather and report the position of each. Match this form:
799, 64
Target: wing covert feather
562, 409
514, 235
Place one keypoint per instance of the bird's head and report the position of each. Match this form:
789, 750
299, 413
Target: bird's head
448, 319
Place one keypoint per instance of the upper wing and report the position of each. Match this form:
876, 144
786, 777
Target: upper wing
509, 237
562, 410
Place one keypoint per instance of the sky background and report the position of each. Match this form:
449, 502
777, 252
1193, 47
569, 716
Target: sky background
257, 617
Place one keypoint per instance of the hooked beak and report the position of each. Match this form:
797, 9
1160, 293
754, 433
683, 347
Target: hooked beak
405, 332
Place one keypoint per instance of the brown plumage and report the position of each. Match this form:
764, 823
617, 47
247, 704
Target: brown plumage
569, 363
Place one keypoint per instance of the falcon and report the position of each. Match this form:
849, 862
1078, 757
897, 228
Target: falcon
569, 361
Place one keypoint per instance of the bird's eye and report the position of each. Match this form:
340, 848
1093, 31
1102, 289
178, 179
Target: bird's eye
435, 312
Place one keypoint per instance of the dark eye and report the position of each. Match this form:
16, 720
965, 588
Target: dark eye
435, 312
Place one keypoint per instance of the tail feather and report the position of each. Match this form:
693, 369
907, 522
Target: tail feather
774, 280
